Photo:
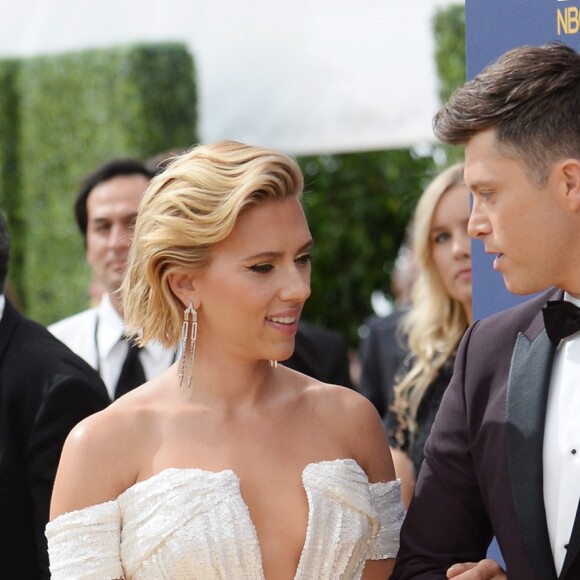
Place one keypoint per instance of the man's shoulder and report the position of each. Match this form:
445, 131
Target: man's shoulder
521, 315
321, 337
49, 355
74, 323
496, 335
385, 325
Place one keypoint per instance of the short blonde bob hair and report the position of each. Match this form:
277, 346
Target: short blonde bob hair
189, 208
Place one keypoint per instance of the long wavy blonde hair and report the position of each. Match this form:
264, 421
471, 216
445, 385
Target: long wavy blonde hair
436, 322
191, 206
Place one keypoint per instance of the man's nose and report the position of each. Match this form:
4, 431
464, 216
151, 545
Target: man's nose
478, 224
120, 236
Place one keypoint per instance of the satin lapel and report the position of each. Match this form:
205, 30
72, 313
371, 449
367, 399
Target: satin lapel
573, 551
7, 324
527, 396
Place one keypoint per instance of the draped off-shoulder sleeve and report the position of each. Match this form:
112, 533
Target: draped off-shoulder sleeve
85, 544
387, 504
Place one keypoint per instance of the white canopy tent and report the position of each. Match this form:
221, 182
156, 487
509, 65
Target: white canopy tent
308, 76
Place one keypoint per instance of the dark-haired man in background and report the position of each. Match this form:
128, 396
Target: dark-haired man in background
105, 210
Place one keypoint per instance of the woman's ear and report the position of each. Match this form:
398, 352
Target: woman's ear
183, 286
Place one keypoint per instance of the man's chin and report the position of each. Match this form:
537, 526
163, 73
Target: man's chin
521, 289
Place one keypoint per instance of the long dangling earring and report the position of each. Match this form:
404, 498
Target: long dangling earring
188, 333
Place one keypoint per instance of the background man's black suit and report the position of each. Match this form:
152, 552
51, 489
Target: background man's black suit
322, 354
45, 390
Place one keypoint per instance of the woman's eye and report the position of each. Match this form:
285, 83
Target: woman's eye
441, 238
262, 268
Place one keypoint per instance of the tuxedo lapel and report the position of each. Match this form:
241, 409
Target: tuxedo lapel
7, 325
527, 397
573, 551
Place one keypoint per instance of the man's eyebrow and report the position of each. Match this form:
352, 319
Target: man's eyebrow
479, 184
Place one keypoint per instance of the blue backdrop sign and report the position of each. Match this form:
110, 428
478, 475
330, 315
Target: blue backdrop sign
492, 28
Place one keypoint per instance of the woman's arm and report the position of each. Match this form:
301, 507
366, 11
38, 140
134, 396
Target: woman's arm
406, 473
372, 452
96, 465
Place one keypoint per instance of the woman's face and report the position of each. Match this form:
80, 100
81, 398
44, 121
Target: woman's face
451, 246
252, 293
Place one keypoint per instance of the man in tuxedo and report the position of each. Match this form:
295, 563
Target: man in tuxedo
503, 458
105, 210
45, 390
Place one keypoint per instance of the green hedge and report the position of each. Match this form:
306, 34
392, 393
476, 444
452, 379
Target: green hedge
358, 206
9, 169
449, 29
78, 110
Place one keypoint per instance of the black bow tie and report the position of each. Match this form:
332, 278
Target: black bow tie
562, 319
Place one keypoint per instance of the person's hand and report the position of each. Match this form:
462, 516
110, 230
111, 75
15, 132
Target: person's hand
482, 570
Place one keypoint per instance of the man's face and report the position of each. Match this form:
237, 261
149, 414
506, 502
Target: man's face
112, 210
524, 223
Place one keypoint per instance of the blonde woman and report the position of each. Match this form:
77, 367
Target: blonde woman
227, 465
440, 314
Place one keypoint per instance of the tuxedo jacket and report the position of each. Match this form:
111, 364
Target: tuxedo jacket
45, 390
322, 354
483, 469
381, 354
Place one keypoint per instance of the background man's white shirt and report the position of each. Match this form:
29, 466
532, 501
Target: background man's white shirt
95, 335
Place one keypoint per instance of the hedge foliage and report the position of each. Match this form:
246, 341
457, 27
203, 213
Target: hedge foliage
9, 169
359, 204
78, 110
449, 29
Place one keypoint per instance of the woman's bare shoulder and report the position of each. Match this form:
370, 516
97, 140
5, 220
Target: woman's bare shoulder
353, 421
101, 457
119, 422
338, 399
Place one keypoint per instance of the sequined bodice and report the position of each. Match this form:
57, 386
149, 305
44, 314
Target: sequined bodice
191, 523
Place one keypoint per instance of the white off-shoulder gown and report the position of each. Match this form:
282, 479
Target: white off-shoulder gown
192, 523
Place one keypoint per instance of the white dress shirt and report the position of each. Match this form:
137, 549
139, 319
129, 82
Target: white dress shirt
562, 445
96, 336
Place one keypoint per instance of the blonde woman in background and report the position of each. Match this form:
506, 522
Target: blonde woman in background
226, 465
440, 314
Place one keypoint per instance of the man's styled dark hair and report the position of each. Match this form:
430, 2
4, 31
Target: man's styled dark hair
530, 96
4, 253
109, 170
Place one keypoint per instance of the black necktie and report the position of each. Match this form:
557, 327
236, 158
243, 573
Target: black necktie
562, 319
132, 374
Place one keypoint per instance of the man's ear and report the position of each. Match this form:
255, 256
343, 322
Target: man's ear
570, 175
183, 286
